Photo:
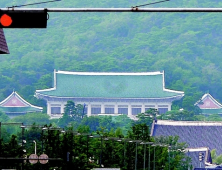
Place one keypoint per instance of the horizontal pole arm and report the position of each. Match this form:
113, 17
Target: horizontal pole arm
115, 9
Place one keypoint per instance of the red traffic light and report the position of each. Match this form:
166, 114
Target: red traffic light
23, 19
5, 20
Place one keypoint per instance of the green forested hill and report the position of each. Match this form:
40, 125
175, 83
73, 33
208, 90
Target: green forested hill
186, 45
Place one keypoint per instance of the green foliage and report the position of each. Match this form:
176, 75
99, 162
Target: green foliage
92, 122
147, 117
30, 118
179, 115
90, 150
217, 159
72, 113
3, 117
214, 117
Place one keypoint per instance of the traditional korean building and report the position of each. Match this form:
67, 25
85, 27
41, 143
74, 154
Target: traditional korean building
195, 134
14, 105
109, 93
209, 105
3, 44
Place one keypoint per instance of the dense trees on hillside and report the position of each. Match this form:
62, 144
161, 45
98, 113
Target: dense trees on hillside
187, 46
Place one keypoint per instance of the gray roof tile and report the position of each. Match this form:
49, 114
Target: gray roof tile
3, 43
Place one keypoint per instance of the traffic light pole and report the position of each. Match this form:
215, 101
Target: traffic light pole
12, 17
132, 9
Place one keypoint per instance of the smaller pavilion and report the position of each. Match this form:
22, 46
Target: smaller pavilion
209, 105
14, 105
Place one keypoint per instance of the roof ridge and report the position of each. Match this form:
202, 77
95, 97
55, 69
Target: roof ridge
188, 123
109, 73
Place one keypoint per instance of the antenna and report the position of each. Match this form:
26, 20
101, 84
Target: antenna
34, 3
149, 4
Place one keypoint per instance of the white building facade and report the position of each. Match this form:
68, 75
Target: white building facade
109, 93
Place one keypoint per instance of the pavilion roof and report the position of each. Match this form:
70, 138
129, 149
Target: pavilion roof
109, 85
3, 43
14, 103
194, 133
209, 105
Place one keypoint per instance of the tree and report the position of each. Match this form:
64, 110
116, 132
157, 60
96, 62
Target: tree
93, 122
72, 113
3, 117
30, 118
178, 115
147, 117
217, 159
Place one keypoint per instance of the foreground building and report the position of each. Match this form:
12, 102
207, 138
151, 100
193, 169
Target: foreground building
208, 105
109, 93
14, 105
194, 153
195, 134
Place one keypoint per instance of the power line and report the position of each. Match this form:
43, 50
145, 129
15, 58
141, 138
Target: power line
33, 3
150, 3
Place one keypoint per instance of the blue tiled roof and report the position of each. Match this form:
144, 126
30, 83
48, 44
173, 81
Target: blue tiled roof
195, 134
195, 158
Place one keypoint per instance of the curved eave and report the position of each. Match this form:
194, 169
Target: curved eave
24, 101
213, 99
40, 95
51, 89
174, 91
39, 108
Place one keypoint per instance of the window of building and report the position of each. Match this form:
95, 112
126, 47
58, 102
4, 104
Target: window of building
136, 110
96, 109
55, 110
109, 110
162, 110
123, 111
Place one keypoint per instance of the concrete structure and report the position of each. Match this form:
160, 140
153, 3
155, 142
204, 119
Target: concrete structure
109, 93
14, 105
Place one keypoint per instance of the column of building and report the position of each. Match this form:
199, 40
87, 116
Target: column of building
49, 108
103, 108
116, 108
89, 109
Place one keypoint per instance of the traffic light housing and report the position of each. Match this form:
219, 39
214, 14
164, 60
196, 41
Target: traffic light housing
23, 19
201, 156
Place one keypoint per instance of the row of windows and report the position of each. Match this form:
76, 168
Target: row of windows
97, 110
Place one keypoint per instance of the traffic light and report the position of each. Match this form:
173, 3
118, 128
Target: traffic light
201, 156
23, 19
